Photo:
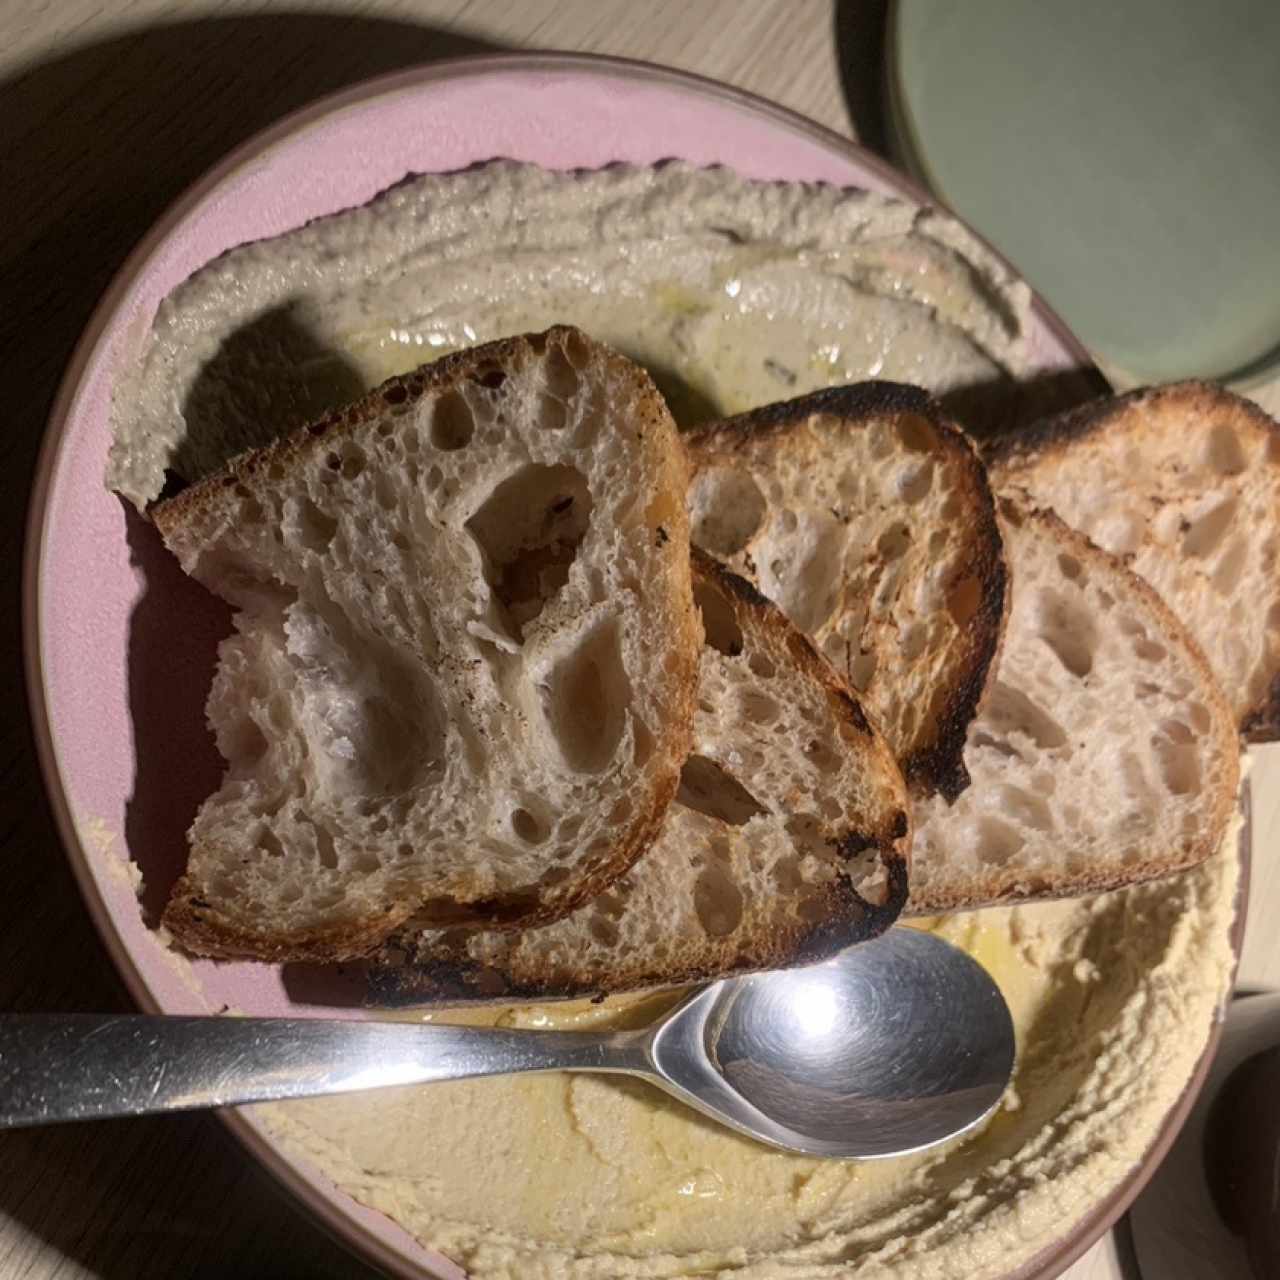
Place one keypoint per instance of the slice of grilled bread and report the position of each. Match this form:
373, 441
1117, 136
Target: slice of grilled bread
465, 662
1105, 752
864, 512
1182, 481
787, 841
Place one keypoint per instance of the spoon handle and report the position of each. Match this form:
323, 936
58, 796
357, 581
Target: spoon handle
56, 1067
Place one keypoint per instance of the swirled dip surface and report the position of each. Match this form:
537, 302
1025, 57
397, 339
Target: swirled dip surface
535, 1177
732, 293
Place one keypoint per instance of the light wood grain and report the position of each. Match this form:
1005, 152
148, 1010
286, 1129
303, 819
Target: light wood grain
108, 108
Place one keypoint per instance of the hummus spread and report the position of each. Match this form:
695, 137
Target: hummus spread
734, 294
598, 1177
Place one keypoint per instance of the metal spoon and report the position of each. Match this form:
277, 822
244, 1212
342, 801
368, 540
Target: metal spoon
892, 1046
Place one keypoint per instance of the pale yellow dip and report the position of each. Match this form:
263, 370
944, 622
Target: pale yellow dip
734, 294
549, 1176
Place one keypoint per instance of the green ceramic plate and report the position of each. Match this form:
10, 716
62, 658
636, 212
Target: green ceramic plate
1125, 156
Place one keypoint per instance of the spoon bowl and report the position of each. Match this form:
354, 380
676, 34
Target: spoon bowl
892, 1046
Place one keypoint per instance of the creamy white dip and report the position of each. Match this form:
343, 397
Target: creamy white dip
732, 293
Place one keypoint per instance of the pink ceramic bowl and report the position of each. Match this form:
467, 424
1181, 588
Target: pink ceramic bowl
117, 686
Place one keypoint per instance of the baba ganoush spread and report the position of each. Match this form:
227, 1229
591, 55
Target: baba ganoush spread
734, 294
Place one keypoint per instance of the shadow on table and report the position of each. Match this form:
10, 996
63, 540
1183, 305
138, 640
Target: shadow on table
1125, 1251
155, 1198
95, 142
860, 47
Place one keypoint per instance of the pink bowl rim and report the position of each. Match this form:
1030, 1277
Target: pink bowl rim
350, 1232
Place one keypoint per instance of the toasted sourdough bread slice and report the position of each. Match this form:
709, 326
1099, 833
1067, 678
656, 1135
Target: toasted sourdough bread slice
787, 841
866, 515
1105, 752
466, 653
1183, 482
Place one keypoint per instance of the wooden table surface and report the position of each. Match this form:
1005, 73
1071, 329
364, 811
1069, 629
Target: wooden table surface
108, 109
